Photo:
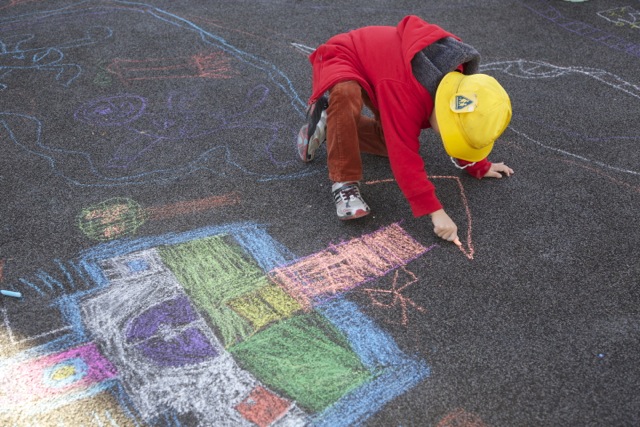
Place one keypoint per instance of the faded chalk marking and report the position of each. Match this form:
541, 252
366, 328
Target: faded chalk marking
119, 217
307, 50
622, 16
546, 10
575, 156
191, 206
461, 418
216, 65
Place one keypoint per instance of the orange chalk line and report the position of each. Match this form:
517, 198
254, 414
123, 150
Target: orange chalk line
398, 298
342, 267
191, 206
469, 251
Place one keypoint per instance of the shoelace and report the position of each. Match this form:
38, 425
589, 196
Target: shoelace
349, 192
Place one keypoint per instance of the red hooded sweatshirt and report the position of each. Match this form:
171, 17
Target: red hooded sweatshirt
379, 59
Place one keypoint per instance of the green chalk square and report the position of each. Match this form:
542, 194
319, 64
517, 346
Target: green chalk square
264, 306
305, 358
213, 271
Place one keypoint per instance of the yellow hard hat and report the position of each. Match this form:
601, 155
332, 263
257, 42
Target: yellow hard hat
472, 112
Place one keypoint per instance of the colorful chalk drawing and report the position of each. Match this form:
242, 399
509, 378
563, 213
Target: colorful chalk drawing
539, 70
136, 129
547, 11
222, 325
622, 16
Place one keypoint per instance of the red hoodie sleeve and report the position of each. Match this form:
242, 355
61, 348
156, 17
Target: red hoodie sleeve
401, 120
477, 169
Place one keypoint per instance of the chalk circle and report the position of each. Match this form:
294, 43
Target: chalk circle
111, 219
112, 111
65, 373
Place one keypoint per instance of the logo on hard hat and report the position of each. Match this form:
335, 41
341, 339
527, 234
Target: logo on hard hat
464, 103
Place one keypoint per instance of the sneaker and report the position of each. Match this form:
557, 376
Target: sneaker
349, 202
313, 134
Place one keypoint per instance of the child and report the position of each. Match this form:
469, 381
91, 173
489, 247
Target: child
399, 73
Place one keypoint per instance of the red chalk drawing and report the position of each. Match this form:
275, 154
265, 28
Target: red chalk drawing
1, 269
347, 265
210, 66
391, 298
12, 3
467, 248
263, 407
191, 206
461, 418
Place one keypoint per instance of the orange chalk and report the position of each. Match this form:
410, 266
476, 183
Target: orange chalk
457, 242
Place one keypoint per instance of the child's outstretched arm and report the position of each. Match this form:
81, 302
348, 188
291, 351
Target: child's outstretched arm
497, 169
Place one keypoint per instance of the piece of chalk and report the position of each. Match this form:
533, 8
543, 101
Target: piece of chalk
11, 293
457, 242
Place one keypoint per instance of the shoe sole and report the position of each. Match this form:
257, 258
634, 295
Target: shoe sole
357, 214
307, 148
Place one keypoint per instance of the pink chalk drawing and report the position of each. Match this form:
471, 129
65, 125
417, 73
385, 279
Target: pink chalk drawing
347, 265
467, 248
391, 298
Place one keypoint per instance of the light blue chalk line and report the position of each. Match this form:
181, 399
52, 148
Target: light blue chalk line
48, 280
66, 273
31, 285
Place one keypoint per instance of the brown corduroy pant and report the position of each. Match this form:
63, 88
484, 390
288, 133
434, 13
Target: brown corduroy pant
350, 132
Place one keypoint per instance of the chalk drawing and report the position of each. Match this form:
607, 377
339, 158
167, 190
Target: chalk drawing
306, 50
622, 16
16, 55
461, 418
13, 3
205, 66
143, 138
390, 298
119, 217
467, 247
164, 314
547, 11
113, 218
349, 264
526, 69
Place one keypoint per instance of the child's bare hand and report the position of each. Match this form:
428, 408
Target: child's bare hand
497, 169
443, 226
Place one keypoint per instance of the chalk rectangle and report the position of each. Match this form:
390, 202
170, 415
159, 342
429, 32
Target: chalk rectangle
347, 265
